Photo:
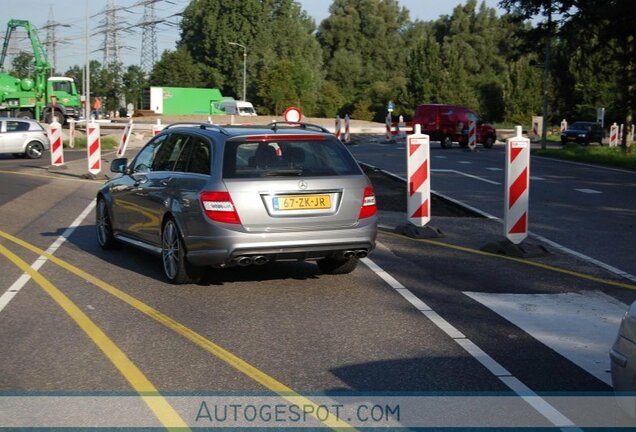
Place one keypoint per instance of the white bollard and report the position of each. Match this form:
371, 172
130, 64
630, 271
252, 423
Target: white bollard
517, 187
401, 127
564, 125
389, 122
613, 138
418, 192
125, 137
71, 133
472, 134
347, 134
57, 146
620, 134
93, 148
157, 128
338, 127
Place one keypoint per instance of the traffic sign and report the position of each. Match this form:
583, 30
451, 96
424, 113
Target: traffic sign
390, 107
292, 114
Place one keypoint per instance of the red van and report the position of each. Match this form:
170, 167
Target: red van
448, 123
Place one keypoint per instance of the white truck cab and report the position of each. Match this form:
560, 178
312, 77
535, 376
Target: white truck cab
234, 107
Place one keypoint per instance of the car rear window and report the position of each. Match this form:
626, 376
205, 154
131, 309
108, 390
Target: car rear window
318, 158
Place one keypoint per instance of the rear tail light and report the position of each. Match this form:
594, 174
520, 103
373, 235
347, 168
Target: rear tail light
368, 207
219, 207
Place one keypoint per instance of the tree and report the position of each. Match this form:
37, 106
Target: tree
364, 49
23, 65
178, 69
135, 81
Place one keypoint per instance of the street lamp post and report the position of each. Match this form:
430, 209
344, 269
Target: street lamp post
244, 65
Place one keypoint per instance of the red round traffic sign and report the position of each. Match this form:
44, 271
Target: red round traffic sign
292, 114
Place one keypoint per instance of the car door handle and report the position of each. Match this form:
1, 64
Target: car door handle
165, 182
141, 180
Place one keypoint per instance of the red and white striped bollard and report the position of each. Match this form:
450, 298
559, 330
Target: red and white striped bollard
472, 134
564, 125
338, 130
123, 141
613, 138
93, 148
157, 128
57, 146
419, 184
347, 133
517, 187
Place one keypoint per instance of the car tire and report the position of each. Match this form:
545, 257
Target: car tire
25, 115
337, 266
173, 255
446, 142
489, 142
34, 150
104, 225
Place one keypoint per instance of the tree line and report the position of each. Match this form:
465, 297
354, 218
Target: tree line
367, 52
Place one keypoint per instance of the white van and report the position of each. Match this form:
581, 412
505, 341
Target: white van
234, 107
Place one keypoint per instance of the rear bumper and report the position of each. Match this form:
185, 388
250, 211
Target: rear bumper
299, 246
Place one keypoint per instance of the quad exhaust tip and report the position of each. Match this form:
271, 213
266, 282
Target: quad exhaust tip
244, 261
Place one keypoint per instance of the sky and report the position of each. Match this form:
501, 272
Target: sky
73, 13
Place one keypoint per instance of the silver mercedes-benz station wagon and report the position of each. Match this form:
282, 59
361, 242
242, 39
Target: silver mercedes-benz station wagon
201, 195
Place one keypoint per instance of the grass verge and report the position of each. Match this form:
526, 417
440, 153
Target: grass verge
606, 156
107, 143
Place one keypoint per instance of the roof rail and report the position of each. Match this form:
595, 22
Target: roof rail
274, 126
200, 125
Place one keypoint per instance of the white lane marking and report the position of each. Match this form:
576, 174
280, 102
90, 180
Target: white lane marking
441, 157
588, 191
547, 241
579, 326
584, 257
494, 169
536, 178
466, 175
465, 162
15, 288
534, 400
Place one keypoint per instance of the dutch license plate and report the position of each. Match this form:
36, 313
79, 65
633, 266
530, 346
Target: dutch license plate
302, 202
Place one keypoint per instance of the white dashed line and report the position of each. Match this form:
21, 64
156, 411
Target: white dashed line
494, 169
15, 288
588, 191
536, 178
529, 396
465, 162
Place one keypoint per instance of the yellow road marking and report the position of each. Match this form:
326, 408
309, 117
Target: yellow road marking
51, 177
237, 363
148, 392
520, 261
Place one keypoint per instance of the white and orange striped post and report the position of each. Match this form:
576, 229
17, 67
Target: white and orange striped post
472, 134
123, 141
93, 148
613, 138
517, 187
338, 130
157, 128
564, 125
419, 184
347, 133
57, 146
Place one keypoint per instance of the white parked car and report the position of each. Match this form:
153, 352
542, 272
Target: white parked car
23, 137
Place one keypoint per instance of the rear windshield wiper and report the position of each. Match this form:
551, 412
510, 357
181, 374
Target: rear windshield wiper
287, 172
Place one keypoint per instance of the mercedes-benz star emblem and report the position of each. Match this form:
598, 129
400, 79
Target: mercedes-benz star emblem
302, 185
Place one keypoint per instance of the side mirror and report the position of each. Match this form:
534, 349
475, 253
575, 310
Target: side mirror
119, 165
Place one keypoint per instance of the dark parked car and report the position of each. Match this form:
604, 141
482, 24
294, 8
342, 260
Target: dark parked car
583, 133
207, 196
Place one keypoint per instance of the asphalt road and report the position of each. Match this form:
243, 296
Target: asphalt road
89, 321
588, 209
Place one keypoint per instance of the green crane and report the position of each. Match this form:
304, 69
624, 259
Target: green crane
40, 97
